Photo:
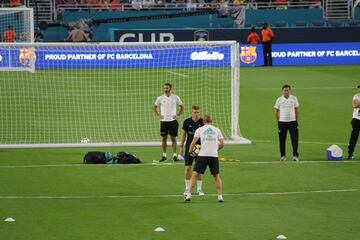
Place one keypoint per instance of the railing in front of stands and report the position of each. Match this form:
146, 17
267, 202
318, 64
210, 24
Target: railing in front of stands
145, 5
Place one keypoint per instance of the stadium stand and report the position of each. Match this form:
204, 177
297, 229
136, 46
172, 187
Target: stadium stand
136, 14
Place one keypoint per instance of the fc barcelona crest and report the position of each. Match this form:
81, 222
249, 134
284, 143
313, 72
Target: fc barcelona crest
27, 57
248, 54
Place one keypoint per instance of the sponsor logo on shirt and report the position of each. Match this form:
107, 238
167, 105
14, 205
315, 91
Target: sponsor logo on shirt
209, 131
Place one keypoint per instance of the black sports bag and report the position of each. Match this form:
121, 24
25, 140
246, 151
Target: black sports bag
126, 158
99, 158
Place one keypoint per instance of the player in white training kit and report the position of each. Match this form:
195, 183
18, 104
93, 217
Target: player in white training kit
168, 103
212, 141
287, 116
355, 125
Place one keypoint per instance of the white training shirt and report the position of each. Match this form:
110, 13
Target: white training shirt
287, 108
168, 106
210, 137
356, 111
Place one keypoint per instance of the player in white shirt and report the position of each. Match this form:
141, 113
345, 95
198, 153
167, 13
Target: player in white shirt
287, 116
211, 142
168, 103
355, 123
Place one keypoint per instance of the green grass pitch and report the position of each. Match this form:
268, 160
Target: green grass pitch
53, 196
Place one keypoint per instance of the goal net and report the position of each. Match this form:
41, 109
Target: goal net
104, 92
21, 21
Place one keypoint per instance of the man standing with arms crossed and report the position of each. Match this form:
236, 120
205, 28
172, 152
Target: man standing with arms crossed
287, 116
188, 130
211, 142
168, 103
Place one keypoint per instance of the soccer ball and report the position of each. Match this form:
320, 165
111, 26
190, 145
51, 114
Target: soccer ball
195, 150
85, 140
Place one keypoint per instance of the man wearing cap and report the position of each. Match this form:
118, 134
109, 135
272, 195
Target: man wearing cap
355, 124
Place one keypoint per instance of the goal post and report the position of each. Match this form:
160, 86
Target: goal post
21, 19
101, 94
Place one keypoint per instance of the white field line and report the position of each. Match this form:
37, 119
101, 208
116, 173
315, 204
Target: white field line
178, 74
86, 165
305, 88
291, 69
237, 161
304, 142
180, 195
225, 160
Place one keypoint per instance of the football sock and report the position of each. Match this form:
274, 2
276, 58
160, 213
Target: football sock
199, 185
187, 185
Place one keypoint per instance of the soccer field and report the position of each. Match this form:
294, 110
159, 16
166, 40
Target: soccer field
51, 195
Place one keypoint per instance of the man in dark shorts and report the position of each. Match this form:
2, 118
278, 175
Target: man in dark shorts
212, 141
168, 103
188, 130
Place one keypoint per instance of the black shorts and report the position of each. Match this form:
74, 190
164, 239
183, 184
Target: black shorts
202, 162
188, 159
170, 128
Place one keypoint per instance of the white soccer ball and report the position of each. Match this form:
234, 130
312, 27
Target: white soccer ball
85, 140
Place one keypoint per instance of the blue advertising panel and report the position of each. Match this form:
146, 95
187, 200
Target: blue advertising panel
303, 54
96, 56
115, 57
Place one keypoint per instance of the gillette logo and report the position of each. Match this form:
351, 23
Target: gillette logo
207, 56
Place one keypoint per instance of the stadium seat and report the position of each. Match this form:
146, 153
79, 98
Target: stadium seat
181, 5
335, 24
226, 25
248, 25
170, 5
259, 24
300, 24
318, 23
354, 23
280, 24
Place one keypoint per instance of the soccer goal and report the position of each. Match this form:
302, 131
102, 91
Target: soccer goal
21, 20
101, 94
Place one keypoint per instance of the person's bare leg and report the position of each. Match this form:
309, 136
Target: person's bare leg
164, 143
187, 178
199, 185
174, 145
218, 184
164, 147
192, 185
